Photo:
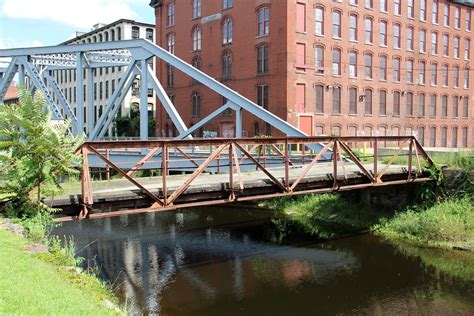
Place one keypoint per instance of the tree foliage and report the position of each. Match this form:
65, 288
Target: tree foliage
34, 152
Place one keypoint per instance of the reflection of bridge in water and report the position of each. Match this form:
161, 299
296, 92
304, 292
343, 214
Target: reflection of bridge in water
144, 256
228, 170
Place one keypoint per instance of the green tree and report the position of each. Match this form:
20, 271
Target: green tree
34, 152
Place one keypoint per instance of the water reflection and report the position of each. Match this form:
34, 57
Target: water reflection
187, 263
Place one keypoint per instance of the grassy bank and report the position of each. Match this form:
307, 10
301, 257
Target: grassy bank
448, 224
47, 283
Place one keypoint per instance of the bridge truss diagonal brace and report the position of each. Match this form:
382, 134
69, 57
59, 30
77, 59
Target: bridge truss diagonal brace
204, 121
118, 103
166, 102
8, 78
62, 99
119, 89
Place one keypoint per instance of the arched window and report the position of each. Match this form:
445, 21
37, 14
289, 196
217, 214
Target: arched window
336, 62
336, 99
409, 104
319, 20
263, 21
368, 101
227, 65
106, 36
100, 38
196, 39
227, 29
112, 35
135, 32
352, 101
119, 33
319, 99
196, 104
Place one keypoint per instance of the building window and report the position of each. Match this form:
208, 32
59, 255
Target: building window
455, 106
396, 69
227, 29
336, 62
319, 58
382, 102
397, 7
454, 137
433, 106
383, 67
433, 136
368, 30
368, 65
456, 46
422, 41
196, 104
319, 99
135, 32
300, 17
383, 5
444, 136
422, 72
445, 45
170, 14
466, 78
411, 9
352, 100
226, 4
434, 12
336, 24
410, 38
368, 102
263, 21
421, 105
196, 9
444, 106
457, 17
319, 20
353, 27
149, 34
262, 96
369, 4
464, 137
197, 39
467, 49
409, 103
227, 65
112, 35
262, 59
410, 71
396, 103
383, 33
396, 36
468, 20
119, 33
434, 74
444, 75
300, 97
421, 135
423, 10
434, 43
171, 43
456, 76
465, 107
353, 64
336, 99
446, 15
170, 75
301, 56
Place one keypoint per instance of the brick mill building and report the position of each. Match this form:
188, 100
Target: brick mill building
341, 67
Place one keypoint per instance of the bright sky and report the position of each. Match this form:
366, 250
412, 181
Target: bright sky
26, 23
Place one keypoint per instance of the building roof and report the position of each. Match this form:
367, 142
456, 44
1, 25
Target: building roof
469, 3
12, 93
121, 21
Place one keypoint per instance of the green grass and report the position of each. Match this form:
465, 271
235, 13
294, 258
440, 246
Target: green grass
448, 223
461, 159
39, 285
324, 215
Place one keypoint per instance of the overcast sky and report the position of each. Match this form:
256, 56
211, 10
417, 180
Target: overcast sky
26, 23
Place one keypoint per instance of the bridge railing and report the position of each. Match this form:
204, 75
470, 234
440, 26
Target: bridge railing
251, 168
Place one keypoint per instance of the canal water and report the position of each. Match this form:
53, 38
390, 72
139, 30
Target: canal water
222, 261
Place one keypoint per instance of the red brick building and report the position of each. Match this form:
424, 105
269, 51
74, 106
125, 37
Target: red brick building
345, 67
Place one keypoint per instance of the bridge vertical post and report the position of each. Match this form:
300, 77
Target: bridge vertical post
410, 158
164, 171
376, 158
231, 174
21, 75
238, 122
80, 94
107, 167
334, 163
90, 101
144, 100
